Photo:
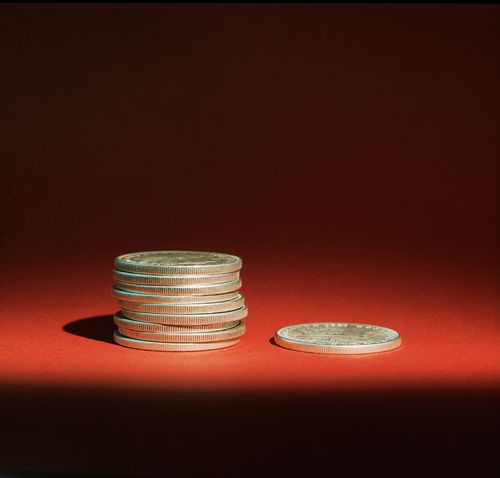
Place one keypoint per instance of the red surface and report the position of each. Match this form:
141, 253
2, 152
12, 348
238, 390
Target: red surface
59, 328
349, 155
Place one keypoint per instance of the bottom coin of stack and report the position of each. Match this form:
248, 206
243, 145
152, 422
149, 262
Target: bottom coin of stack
178, 301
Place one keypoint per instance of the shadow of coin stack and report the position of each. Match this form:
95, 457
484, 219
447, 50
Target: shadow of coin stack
178, 301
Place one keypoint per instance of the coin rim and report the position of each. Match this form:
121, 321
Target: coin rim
129, 296
170, 346
122, 321
338, 349
186, 337
204, 289
188, 319
185, 299
178, 269
174, 280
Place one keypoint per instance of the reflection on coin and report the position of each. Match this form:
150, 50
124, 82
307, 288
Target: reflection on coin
172, 347
190, 337
126, 323
179, 299
178, 262
156, 298
149, 279
206, 289
187, 319
210, 308
337, 338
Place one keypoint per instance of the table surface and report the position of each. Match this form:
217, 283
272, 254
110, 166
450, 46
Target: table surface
57, 349
348, 153
60, 329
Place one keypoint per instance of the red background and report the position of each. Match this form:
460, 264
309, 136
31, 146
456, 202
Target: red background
349, 155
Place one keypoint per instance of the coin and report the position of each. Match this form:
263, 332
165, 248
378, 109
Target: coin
172, 347
187, 319
180, 299
337, 338
126, 323
154, 298
194, 308
148, 279
178, 262
205, 289
190, 337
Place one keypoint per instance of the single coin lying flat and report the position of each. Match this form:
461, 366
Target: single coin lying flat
337, 338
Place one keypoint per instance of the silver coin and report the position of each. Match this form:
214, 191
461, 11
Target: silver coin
190, 337
171, 347
195, 308
123, 322
151, 298
206, 289
179, 299
178, 262
337, 338
161, 280
186, 319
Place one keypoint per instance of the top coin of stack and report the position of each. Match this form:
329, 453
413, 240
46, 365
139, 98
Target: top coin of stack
178, 300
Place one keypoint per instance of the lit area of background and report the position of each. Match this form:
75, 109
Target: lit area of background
348, 153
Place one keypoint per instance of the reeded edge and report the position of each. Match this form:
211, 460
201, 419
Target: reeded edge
184, 299
175, 280
206, 269
150, 298
186, 337
206, 289
187, 319
191, 309
171, 347
124, 322
338, 349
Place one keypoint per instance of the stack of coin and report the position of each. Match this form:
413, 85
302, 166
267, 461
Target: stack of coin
178, 300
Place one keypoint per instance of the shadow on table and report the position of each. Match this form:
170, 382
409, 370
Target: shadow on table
99, 328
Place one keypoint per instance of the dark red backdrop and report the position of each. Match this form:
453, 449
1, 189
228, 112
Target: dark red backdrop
349, 155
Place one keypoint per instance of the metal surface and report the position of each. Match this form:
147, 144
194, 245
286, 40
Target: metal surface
188, 308
171, 347
126, 323
175, 280
204, 289
178, 299
186, 337
337, 338
187, 319
178, 262
158, 298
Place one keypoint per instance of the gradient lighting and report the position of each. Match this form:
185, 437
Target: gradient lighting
348, 154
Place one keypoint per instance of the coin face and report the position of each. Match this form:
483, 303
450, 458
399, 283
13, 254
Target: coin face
338, 338
178, 262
